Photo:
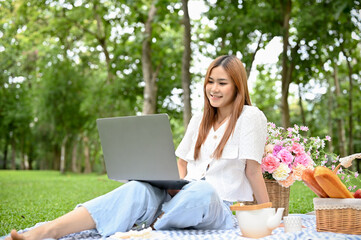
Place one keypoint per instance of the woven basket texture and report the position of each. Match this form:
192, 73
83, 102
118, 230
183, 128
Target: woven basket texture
278, 195
338, 215
346, 221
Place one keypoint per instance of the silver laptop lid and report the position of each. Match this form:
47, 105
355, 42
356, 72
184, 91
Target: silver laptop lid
138, 147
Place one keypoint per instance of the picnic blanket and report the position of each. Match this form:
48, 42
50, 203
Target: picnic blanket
309, 232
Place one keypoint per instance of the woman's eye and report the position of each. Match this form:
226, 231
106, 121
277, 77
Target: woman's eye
222, 83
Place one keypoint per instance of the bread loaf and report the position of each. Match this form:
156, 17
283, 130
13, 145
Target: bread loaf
309, 179
331, 183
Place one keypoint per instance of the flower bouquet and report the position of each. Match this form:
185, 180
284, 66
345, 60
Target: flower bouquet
288, 153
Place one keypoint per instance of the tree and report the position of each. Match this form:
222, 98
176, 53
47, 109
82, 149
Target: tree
238, 26
287, 66
186, 60
241, 29
150, 75
87, 65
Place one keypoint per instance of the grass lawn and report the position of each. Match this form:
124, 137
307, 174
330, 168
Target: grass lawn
29, 197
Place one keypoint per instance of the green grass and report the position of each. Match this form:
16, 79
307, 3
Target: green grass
29, 197
301, 198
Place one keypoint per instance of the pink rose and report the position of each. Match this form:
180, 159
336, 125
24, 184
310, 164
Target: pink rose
303, 159
285, 156
270, 163
297, 148
276, 149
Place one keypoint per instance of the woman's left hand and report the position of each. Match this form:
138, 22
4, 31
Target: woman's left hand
172, 192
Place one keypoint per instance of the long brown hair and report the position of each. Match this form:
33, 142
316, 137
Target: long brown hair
236, 71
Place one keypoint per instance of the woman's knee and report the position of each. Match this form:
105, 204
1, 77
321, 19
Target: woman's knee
135, 188
142, 192
201, 190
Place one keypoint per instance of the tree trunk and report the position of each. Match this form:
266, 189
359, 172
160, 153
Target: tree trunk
74, 156
301, 105
57, 155
88, 168
13, 153
62, 155
340, 121
6, 150
94, 156
26, 162
24, 157
150, 89
329, 115
186, 60
286, 76
350, 107
30, 156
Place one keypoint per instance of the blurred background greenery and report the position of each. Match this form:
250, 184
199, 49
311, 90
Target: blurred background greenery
63, 64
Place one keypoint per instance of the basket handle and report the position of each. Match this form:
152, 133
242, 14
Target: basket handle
347, 161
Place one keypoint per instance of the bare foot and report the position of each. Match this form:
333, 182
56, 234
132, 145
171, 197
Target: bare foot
74, 221
14, 235
30, 235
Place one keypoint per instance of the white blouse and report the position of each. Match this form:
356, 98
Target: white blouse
227, 174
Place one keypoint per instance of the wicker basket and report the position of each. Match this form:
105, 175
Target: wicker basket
338, 215
278, 195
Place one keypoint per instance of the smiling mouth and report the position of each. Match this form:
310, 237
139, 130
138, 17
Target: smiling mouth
215, 96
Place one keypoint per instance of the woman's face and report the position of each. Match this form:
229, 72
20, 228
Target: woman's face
220, 89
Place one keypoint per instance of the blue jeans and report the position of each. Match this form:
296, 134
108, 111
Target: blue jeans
196, 206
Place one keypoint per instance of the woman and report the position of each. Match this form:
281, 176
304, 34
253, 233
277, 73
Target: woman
220, 153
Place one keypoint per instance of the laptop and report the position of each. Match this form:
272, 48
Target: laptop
140, 148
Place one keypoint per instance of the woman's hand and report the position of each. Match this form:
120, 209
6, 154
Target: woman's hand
172, 192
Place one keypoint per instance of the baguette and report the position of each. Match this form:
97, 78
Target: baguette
309, 179
331, 183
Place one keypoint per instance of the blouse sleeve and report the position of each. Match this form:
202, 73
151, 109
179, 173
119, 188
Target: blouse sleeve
253, 127
187, 142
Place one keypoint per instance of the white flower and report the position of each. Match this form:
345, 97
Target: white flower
322, 144
281, 173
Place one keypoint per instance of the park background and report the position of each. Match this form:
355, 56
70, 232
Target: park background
66, 63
